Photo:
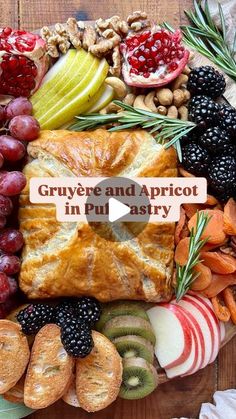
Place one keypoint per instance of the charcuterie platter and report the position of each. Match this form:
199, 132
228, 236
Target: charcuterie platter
95, 322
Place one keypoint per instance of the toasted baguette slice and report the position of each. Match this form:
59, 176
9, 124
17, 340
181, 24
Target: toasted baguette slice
49, 371
16, 393
70, 396
14, 354
99, 375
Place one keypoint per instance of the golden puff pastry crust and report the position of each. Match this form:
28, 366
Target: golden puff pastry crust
70, 259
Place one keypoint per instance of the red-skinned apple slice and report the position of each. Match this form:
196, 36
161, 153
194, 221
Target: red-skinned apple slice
187, 367
173, 335
205, 303
204, 323
221, 324
199, 337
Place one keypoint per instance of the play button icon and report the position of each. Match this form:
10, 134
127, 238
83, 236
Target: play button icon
117, 210
111, 213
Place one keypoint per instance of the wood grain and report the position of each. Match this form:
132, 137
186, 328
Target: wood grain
226, 377
36, 13
181, 397
9, 13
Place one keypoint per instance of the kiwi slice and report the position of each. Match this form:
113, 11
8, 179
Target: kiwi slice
134, 347
139, 379
120, 308
129, 325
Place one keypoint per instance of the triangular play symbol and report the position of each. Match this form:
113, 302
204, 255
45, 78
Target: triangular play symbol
116, 210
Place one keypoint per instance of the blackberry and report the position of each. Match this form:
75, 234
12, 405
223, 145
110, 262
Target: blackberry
195, 159
205, 113
216, 141
192, 136
64, 310
76, 338
196, 100
222, 177
227, 119
206, 80
34, 317
88, 310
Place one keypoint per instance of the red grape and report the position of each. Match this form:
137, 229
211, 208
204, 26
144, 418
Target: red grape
2, 113
11, 240
4, 287
11, 149
9, 264
24, 127
13, 286
1, 160
5, 205
2, 312
12, 183
18, 106
3, 221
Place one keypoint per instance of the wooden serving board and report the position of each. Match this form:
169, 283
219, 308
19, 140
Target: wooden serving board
184, 394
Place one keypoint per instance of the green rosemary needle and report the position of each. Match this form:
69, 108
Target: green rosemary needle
184, 274
205, 37
162, 127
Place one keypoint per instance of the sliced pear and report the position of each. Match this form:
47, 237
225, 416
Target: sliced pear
81, 65
106, 96
54, 75
103, 96
76, 101
62, 97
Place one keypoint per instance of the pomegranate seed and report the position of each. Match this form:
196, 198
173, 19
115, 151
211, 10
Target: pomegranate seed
180, 55
145, 35
172, 66
150, 42
153, 51
141, 59
146, 53
17, 75
22, 61
134, 62
151, 63
156, 53
134, 71
7, 31
13, 63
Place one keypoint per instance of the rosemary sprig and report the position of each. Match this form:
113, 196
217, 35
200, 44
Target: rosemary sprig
185, 274
163, 127
205, 37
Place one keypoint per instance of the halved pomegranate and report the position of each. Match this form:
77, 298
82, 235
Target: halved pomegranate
153, 58
23, 62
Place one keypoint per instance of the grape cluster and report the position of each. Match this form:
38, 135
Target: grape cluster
17, 126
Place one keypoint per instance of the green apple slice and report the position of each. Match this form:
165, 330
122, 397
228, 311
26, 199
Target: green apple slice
80, 66
54, 75
106, 96
77, 101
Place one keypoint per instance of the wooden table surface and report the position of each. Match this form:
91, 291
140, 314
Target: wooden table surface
181, 397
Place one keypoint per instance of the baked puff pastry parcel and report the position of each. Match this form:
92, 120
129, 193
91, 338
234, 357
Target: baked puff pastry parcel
69, 258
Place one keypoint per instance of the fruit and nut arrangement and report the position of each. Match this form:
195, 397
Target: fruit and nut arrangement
100, 353
118, 74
